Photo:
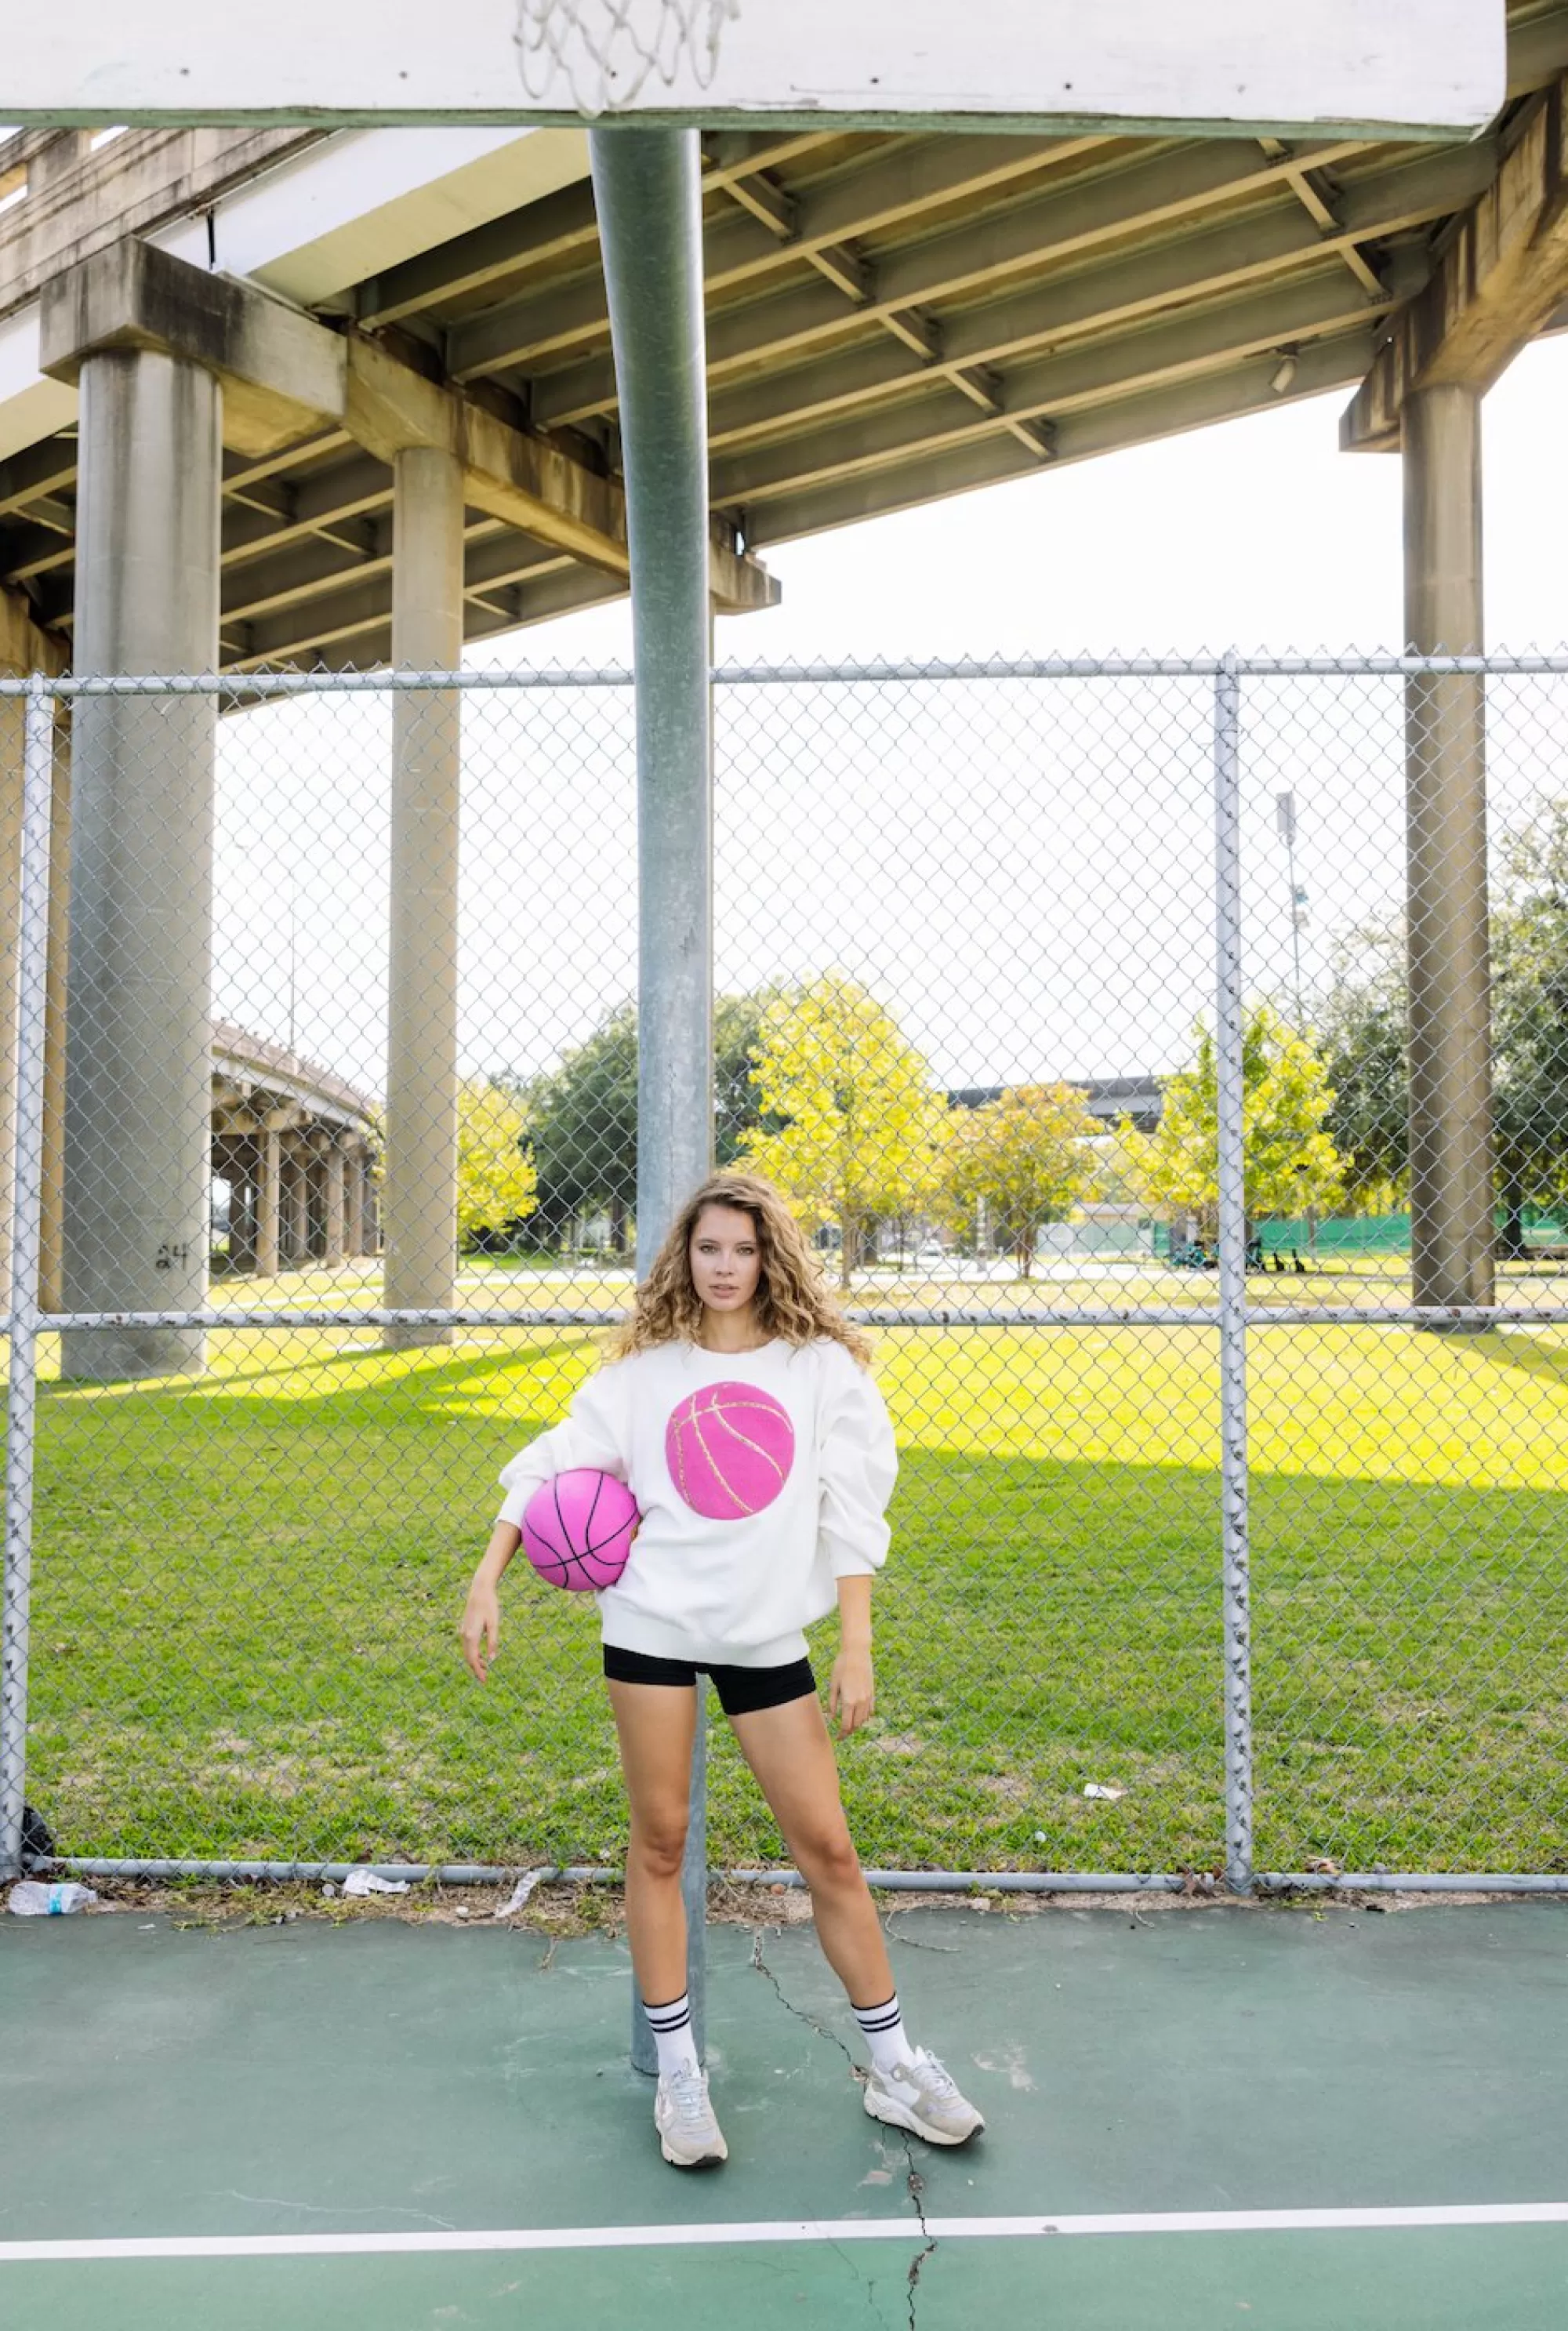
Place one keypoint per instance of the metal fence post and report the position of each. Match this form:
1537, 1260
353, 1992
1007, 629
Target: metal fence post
32, 980
1232, 1249
648, 194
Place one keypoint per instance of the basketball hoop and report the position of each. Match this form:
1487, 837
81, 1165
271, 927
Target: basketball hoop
599, 54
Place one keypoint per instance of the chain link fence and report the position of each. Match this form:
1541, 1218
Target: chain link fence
1170, 1058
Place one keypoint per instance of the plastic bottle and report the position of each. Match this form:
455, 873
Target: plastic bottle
32, 1898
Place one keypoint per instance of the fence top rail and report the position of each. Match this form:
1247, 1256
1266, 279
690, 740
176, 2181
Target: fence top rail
250, 688
1469, 1319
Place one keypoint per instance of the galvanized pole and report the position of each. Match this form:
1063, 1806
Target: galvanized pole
648, 194
1232, 1243
27, 1214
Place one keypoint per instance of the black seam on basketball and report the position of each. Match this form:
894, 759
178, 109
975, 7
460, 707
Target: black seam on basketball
557, 1554
597, 1546
593, 1509
560, 1517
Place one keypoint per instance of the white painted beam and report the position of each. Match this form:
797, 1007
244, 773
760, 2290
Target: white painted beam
1406, 67
371, 199
32, 405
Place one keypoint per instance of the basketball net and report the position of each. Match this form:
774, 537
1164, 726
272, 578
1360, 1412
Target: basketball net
603, 52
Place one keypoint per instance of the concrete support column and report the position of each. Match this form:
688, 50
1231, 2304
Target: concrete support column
421, 1184
268, 1188
353, 1199
296, 1238
138, 1078
12, 715
51, 1222
335, 1206
242, 1213
1449, 978
370, 1207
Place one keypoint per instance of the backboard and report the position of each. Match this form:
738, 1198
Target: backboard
1401, 68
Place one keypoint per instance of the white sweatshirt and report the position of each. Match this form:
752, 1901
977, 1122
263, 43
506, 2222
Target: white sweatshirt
736, 1591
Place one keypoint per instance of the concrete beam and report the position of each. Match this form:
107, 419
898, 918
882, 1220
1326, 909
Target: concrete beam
1100, 373
898, 182
1037, 228
1246, 387
1500, 279
1084, 290
24, 644
37, 471
525, 481
1277, 249
283, 375
559, 227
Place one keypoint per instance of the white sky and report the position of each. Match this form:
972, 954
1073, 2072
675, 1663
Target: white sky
1022, 874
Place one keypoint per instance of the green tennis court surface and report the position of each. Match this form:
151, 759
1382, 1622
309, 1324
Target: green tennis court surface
382, 2125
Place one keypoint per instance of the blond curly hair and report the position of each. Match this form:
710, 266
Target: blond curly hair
793, 1299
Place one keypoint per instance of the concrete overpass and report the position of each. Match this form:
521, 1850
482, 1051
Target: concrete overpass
890, 318
298, 1148
276, 394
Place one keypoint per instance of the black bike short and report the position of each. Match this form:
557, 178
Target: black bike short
741, 1690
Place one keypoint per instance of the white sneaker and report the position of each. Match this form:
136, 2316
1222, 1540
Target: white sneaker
923, 2096
689, 2133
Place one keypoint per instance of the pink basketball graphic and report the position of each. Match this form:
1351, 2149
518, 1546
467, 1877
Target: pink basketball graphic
577, 1529
729, 1449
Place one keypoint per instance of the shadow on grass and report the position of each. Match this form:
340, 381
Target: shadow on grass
1524, 1354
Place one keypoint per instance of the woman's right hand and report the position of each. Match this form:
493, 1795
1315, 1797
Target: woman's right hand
482, 1626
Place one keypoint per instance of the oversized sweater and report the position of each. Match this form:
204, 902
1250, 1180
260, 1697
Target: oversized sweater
762, 1477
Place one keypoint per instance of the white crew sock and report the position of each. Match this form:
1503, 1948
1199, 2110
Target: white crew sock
673, 2036
885, 2035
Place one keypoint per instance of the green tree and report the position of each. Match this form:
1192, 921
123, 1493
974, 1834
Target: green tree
848, 1123
495, 1180
584, 1114
736, 1033
583, 1119
1022, 1156
1291, 1163
1530, 1020
1365, 1034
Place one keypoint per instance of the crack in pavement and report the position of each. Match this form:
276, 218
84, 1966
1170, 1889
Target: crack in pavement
822, 2030
915, 2184
335, 2209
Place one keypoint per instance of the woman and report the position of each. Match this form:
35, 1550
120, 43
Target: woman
738, 1409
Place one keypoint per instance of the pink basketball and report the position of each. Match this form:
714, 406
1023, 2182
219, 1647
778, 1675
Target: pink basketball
729, 1449
577, 1529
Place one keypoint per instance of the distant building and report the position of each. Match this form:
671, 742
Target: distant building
1109, 1098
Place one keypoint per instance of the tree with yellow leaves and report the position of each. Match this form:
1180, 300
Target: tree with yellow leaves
1024, 1158
1291, 1163
496, 1182
850, 1127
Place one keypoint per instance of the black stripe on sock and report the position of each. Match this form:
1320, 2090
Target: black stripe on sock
879, 2019
671, 2018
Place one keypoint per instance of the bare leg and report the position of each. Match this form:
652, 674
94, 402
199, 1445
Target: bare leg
790, 1754
656, 1724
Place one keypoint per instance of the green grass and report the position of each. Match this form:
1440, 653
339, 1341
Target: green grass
246, 1591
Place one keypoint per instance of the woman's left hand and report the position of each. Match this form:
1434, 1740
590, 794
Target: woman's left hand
853, 1693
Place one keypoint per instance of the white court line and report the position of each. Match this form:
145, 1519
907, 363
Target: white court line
789, 2230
